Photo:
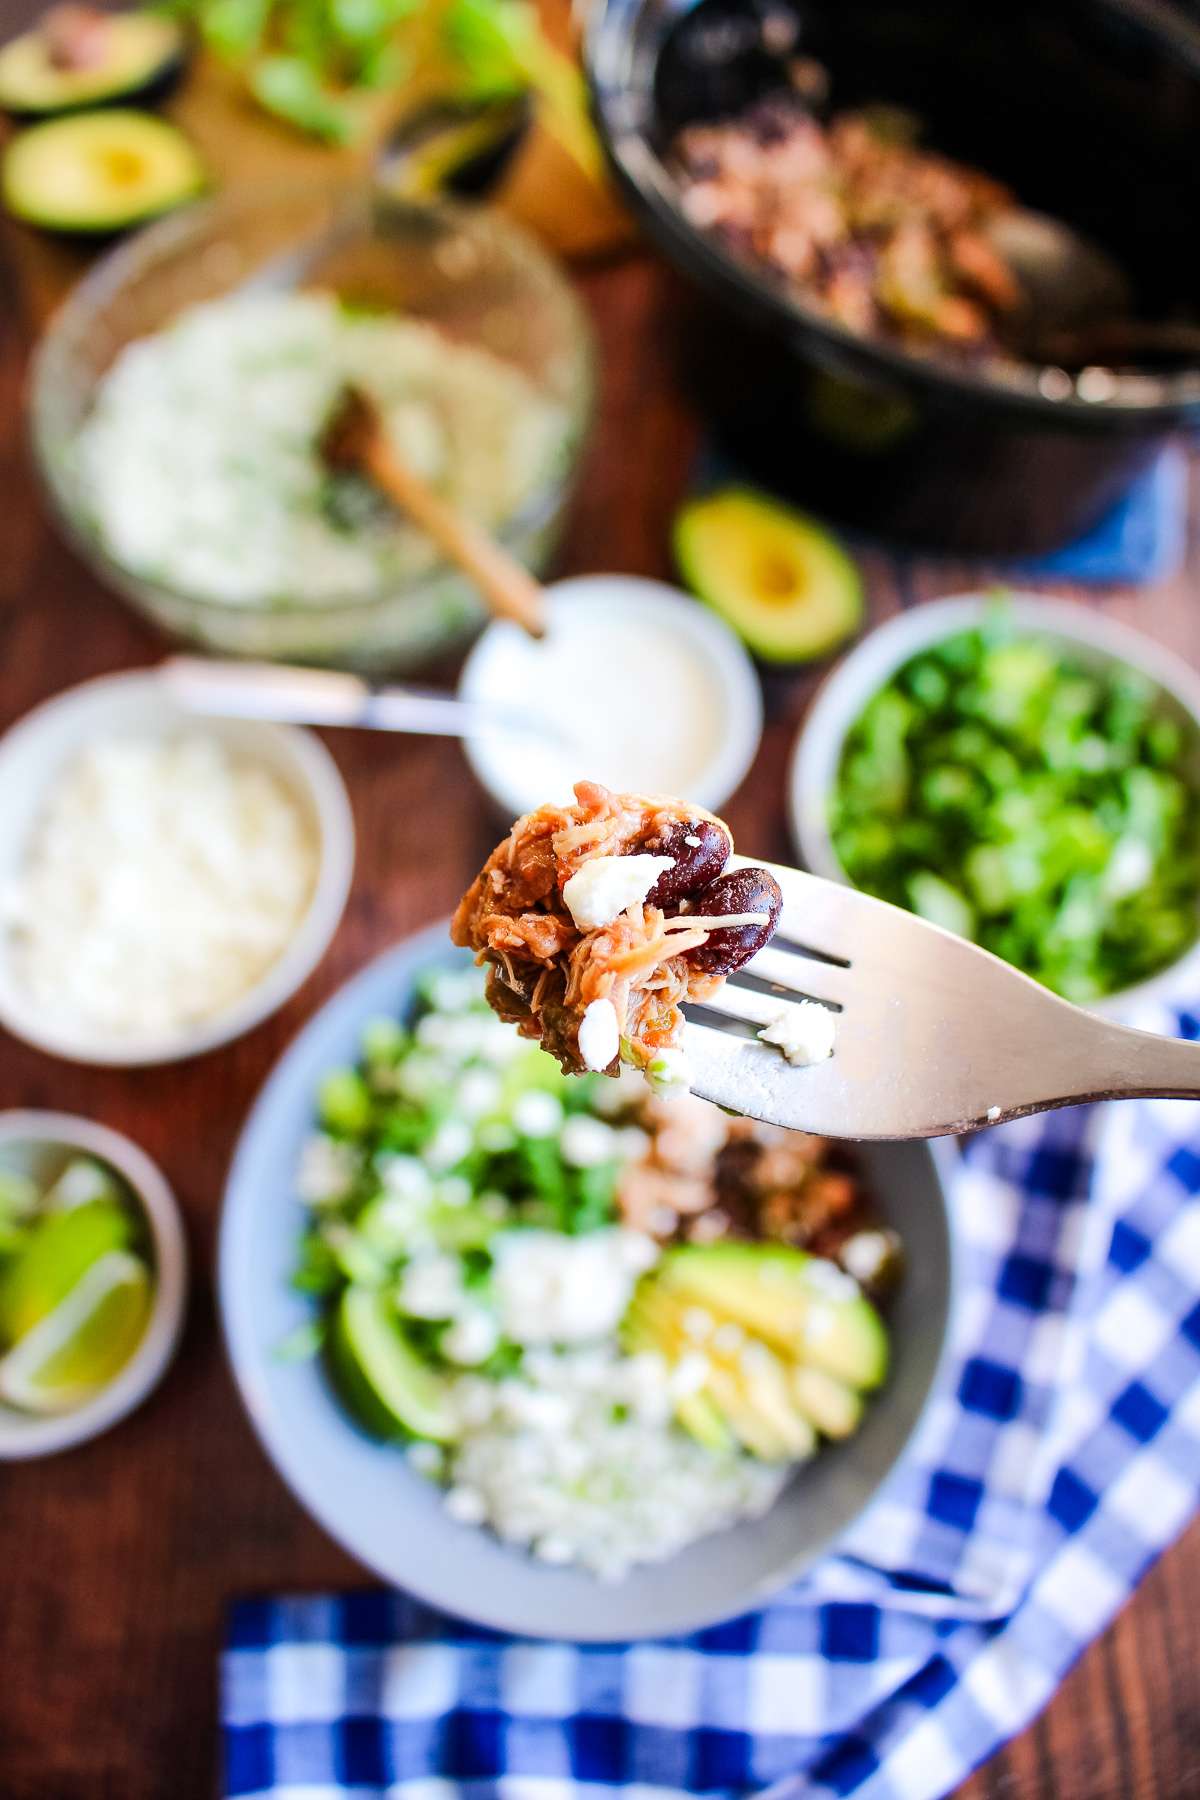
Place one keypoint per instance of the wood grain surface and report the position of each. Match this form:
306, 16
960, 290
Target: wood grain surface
120, 1557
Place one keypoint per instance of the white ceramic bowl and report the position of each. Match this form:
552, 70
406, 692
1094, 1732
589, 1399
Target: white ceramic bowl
31, 756
38, 1144
500, 672
368, 1497
1087, 636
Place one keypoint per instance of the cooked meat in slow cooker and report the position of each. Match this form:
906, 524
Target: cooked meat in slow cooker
888, 239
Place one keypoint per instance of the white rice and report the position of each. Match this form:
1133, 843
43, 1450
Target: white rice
199, 461
164, 878
577, 1461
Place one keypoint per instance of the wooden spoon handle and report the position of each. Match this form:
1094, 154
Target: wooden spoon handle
508, 588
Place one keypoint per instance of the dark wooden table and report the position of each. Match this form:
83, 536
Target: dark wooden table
120, 1557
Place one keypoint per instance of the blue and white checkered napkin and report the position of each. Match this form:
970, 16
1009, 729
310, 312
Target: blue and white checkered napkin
1060, 1457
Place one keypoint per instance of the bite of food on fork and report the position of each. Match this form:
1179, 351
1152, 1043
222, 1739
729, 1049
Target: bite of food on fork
622, 929
598, 921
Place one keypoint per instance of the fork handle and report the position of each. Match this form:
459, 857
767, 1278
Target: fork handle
1117, 1062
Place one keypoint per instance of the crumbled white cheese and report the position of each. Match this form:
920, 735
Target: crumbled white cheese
586, 1142
465, 1505
471, 1336
607, 886
669, 1075
805, 1032
163, 879
327, 1170
431, 1287
405, 1176
599, 1035
448, 1145
538, 1115
993, 1113
477, 1094
553, 1289
864, 1254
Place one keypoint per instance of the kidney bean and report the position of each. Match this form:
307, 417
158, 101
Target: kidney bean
695, 864
740, 891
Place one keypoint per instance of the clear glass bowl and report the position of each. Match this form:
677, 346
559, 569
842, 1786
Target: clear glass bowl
468, 272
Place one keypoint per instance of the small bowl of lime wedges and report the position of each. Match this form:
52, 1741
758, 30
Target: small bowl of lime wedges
93, 1268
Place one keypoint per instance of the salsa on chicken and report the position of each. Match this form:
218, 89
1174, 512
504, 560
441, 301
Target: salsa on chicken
598, 920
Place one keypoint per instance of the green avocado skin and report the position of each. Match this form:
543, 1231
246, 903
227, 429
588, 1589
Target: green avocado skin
148, 85
723, 543
149, 137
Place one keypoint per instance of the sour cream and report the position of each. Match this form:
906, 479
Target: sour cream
634, 685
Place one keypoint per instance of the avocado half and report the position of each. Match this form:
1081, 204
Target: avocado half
99, 172
137, 56
784, 584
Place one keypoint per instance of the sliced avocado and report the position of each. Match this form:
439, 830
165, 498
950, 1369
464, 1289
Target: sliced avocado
392, 1389
125, 56
833, 1408
654, 1322
761, 1415
99, 172
783, 583
701, 1419
801, 1305
752, 1396
59, 1250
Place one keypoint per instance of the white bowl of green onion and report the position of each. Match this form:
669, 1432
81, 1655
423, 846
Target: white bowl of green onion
1024, 771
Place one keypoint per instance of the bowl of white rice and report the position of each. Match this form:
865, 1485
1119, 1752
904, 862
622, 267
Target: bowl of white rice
166, 881
178, 398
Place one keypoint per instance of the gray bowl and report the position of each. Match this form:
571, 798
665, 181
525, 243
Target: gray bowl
390, 1518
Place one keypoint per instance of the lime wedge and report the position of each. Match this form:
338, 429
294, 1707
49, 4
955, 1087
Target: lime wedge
91, 1334
59, 1250
391, 1388
82, 1181
18, 1205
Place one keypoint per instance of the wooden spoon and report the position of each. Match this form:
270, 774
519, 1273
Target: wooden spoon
354, 440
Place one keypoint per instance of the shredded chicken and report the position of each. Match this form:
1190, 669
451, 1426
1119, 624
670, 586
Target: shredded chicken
887, 238
705, 1176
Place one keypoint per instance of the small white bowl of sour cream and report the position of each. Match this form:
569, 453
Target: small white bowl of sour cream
635, 685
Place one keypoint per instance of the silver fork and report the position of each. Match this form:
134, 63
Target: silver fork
934, 1035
